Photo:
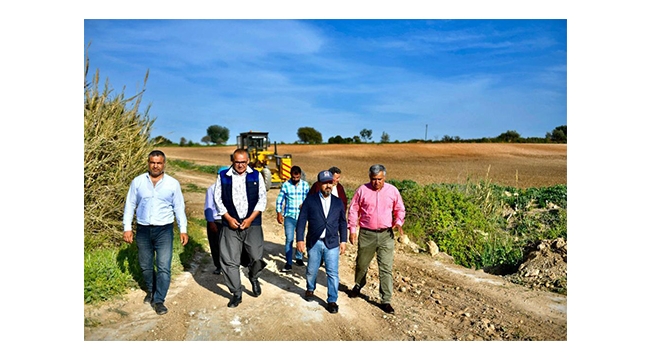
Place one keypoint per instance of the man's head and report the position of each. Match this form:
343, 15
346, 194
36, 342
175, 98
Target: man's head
336, 174
326, 181
156, 163
296, 174
240, 161
377, 175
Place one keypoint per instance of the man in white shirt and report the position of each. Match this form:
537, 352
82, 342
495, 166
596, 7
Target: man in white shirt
155, 198
240, 196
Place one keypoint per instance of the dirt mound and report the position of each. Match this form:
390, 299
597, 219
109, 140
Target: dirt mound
545, 268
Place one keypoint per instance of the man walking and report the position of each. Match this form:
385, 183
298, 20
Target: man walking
240, 196
326, 238
287, 205
337, 188
155, 198
214, 226
376, 208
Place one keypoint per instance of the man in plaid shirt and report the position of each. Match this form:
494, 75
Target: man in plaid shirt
287, 206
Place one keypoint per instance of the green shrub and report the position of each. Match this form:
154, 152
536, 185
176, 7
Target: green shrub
188, 165
104, 277
110, 272
449, 218
467, 221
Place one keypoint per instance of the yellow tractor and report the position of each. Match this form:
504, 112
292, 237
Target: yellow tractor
275, 168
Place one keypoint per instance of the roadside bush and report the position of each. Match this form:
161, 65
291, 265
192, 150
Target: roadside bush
188, 165
111, 272
103, 277
467, 221
116, 145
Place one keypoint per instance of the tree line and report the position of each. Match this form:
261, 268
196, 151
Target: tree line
219, 135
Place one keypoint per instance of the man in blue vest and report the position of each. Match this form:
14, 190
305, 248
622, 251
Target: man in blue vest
240, 196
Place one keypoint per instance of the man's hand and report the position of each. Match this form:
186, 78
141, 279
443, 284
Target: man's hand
232, 222
352, 237
401, 231
184, 238
342, 247
280, 219
212, 227
128, 236
245, 224
301, 246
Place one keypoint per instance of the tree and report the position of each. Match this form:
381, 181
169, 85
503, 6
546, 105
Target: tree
309, 135
366, 135
559, 135
218, 134
183, 142
206, 139
384, 137
161, 140
509, 136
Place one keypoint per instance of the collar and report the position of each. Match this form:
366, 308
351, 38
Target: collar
232, 172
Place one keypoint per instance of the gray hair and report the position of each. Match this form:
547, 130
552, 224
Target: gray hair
376, 169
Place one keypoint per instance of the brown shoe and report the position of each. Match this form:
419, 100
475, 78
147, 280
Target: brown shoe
309, 295
387, 308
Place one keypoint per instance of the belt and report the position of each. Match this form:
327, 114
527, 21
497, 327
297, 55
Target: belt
377, 231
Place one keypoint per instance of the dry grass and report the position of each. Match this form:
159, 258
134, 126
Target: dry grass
520, 165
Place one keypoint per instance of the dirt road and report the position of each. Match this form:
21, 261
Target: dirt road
433, 299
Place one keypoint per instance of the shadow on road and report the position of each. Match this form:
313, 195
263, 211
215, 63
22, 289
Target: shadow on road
293, 281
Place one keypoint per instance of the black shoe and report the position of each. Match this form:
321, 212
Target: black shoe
160, 308
235, 301
387, 308
299, 262
257, 289
309, 296
332, 308
148, 298
286, 268
355, 292
217, 272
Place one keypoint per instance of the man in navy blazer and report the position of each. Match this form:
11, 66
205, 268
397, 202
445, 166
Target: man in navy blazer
323, 214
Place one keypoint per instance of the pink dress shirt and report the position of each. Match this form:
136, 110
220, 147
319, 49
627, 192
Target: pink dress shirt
376, 210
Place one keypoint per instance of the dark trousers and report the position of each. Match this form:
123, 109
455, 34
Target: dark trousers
155, 251
233, 243
213, 240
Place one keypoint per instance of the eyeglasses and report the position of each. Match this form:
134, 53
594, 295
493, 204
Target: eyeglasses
241, 162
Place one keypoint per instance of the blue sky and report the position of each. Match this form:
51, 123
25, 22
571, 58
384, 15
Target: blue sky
408, 78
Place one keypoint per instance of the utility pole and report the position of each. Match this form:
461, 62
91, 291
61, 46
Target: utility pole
425, 131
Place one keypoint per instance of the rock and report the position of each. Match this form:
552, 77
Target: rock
404, 239
432, 248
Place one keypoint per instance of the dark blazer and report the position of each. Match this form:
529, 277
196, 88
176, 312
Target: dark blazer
313, 217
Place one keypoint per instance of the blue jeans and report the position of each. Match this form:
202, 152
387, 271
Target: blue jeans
155, 241
317, 253
289, 233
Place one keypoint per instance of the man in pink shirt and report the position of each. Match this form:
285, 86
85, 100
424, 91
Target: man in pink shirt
376, 208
